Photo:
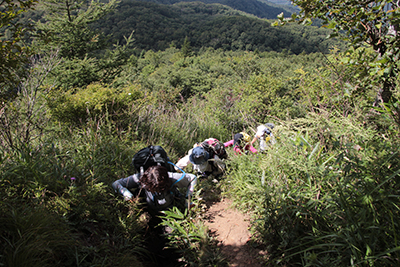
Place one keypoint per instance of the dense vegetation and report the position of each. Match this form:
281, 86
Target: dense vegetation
261, 9
325, 194
159, 26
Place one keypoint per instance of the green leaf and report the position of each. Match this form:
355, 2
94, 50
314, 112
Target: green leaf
313, 151
383, 60
331, 25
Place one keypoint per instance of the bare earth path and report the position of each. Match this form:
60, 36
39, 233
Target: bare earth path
231, 229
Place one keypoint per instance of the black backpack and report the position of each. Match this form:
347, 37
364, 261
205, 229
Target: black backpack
215, 147
151, 156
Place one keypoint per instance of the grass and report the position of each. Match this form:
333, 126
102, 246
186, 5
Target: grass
314, 197
323, 204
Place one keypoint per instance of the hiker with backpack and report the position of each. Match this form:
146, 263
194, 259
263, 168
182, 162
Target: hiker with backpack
207, 158
155, 181
241, 143
264, 134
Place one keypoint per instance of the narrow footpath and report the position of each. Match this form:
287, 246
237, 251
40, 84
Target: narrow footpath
231, 228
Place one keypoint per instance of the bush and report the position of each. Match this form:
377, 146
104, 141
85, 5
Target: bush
76, 107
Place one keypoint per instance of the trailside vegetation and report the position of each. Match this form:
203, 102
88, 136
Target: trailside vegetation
325, 193
14, 54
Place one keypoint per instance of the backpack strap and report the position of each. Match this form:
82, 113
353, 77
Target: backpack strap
150, 154
183, 174
170, 189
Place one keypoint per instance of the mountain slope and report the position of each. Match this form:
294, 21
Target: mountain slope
158, 26
255, 7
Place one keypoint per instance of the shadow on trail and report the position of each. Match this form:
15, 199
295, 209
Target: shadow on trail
242, 256
159, 254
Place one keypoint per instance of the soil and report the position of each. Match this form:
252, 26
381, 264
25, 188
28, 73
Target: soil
231, 228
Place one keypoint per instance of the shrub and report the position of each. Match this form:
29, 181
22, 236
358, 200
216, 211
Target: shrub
76, 107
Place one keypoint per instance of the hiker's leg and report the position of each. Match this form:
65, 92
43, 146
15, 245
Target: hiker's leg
218, 168
263, 145
251, 148
237, 150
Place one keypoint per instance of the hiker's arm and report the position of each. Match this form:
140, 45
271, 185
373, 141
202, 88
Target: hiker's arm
229, 143
188, 181
272, 139
193, 182
254, 139
123, 185
183, 162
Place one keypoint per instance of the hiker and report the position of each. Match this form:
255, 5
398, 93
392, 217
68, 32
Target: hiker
206, 157
264, 134
157, 185
241, 144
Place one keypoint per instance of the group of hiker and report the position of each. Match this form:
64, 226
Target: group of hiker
157, 179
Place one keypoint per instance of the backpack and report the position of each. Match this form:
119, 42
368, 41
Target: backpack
215, 147
151, 156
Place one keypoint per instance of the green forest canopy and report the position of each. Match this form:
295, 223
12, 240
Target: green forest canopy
261, 9
158, 26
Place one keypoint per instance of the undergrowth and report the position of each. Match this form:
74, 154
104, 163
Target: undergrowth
323, 194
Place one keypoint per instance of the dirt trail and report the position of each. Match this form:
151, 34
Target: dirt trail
231, 228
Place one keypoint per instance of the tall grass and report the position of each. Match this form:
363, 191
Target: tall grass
68, 179
329, 194
179, 129
34, 237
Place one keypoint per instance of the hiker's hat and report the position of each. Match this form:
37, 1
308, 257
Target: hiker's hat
198, 155
268, 128
269, 125
246, 137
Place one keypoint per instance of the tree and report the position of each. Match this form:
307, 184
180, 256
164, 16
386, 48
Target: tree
363, 23
23, 120
86, 60
13, 53
186, 48
66, 26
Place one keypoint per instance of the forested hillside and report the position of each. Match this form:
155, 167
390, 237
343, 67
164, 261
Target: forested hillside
255, 7
75, 109
158, 26
280, 2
